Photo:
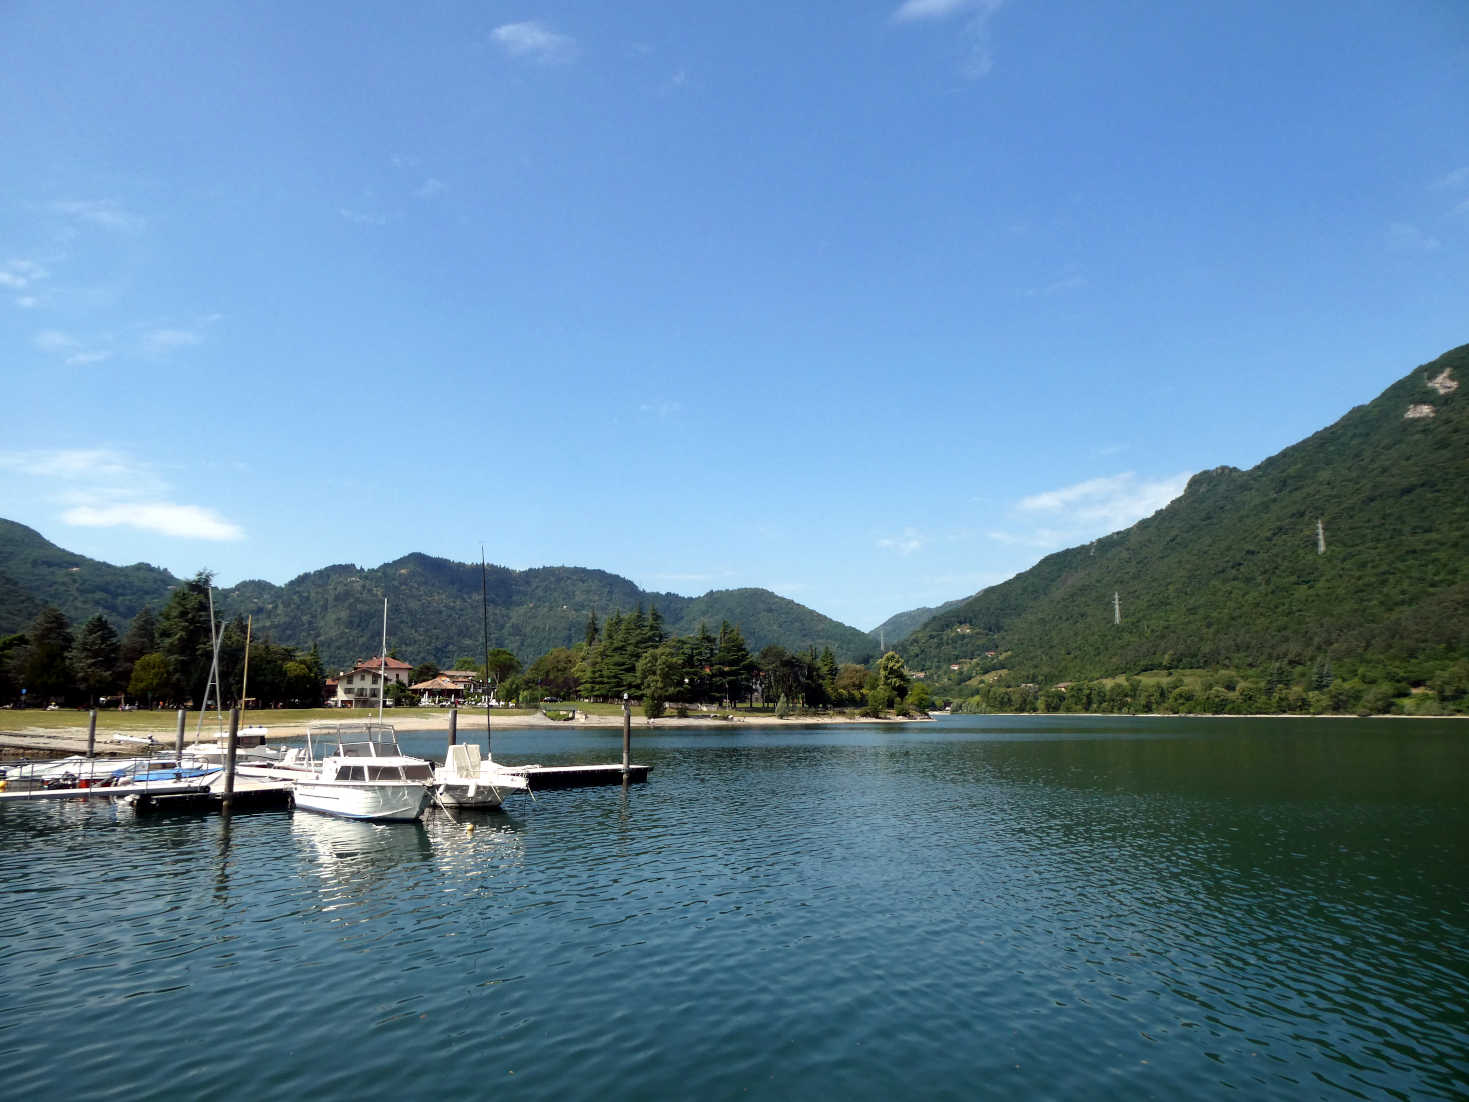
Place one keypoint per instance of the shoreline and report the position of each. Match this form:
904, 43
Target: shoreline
73, 738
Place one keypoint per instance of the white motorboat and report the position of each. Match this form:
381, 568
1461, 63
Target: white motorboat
357, 771
467, 780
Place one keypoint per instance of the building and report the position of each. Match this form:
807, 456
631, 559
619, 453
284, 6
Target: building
361, 686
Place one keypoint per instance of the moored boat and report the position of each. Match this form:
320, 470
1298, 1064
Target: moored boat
357, 771
467, 780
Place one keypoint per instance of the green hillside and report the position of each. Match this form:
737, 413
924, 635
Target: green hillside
35, 572
434, 612
900, 625
1229, 575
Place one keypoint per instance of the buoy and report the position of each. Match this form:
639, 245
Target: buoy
469, 829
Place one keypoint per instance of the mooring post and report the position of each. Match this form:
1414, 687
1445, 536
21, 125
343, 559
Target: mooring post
626, 738
229, 761
179, 738
453, 726
92, 734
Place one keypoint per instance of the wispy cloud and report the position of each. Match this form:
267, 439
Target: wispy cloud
1070, 279
1452, 181
180, 521
1404, 237
105, 488
71, 349
906, 544
429, 188
1085, 510
973, 17
17, 275
535, 42
107, 213
666, 408
362, 217
160, 342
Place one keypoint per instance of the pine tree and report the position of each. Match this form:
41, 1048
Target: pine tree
94, 658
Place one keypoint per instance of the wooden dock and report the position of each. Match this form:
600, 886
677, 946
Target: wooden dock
546, 778
250, 793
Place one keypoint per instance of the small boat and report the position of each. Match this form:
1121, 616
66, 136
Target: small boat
467, 780
357, 771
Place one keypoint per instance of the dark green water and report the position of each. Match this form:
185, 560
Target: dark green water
1020, 908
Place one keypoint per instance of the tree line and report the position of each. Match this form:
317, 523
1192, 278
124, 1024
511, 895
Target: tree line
161, 659
633, 655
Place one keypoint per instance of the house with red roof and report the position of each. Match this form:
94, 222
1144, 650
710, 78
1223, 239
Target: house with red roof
362, 685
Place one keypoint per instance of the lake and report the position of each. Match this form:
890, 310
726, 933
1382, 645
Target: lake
1028, 907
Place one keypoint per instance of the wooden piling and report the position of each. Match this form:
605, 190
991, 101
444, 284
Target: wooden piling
92, 734
228, 797
178, 748
626, 737
453, 726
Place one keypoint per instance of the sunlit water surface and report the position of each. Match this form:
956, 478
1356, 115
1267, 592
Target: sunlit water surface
1043, 907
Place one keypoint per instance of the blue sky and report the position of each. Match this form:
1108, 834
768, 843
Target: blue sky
872, 304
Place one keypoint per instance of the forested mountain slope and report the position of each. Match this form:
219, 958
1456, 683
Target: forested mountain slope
34, 572
434, 604
1230, 574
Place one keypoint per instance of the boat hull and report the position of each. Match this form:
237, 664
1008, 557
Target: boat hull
380, 802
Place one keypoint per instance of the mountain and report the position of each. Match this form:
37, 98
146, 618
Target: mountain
1230, 574
900, 625
434, 606
35, 572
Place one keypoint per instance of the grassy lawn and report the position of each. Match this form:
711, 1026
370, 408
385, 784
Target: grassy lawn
144, 722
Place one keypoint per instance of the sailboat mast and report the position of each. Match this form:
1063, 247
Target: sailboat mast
382, 669
214, 641
245, 677
484, 610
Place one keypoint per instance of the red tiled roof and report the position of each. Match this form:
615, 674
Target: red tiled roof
375, 663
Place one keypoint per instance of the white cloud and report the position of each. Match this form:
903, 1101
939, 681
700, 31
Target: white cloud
71, 349
536, 42
1086, 510
158, 342
180, 521
975, 18
1452, 180
1404, 237
910, 541
1115, 501
914, 10
17, 275
665, 408
107, 213
429, 188
104, 488
362, 218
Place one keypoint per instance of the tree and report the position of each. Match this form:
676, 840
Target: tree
892, 676
184, 637
94, 658
46, 669
920, 699
658, 672
141, 638
150, 678
424, 671
732, 663
554, 672
500, 665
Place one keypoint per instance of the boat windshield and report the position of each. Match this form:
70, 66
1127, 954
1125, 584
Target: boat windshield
353, 740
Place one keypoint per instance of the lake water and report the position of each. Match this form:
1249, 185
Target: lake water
1036, 907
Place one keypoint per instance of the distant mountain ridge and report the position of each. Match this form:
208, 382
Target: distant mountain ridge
434, 604
900, 625
1232, 572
